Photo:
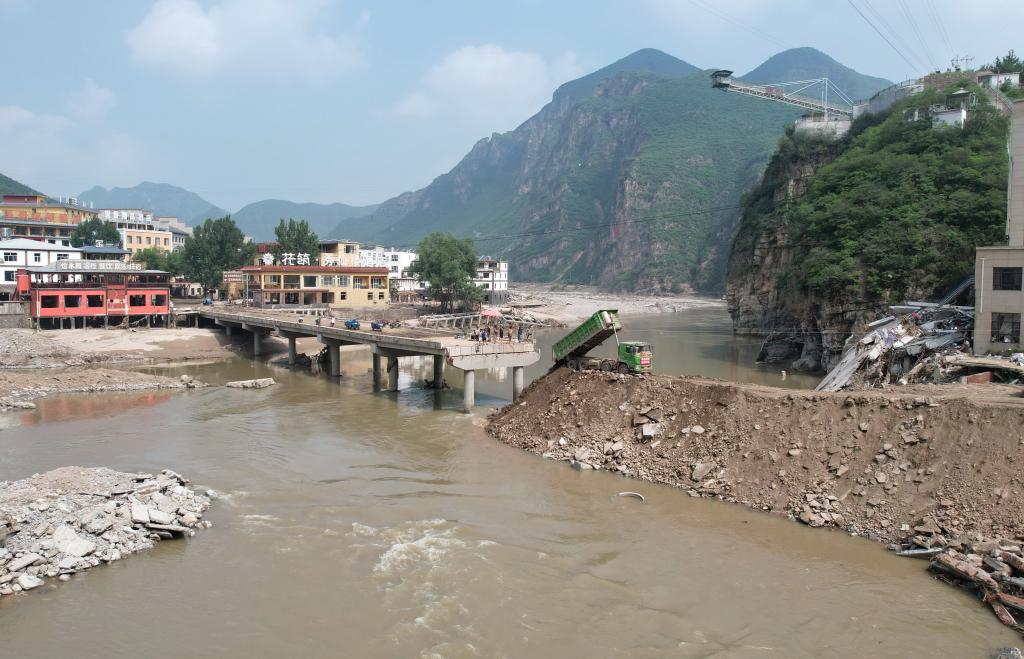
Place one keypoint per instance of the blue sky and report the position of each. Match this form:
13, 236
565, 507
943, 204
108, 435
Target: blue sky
321, 100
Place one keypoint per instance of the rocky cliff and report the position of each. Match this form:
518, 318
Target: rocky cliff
835, 233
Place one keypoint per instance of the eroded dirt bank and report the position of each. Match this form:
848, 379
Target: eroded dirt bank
942, 464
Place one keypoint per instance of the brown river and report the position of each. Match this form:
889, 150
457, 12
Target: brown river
352, 524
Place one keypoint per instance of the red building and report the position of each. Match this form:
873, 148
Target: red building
91, 293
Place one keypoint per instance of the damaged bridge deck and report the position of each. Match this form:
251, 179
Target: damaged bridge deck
392, 344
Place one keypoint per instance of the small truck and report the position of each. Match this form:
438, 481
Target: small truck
571, 350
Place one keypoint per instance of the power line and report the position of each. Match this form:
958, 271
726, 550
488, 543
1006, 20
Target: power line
895, 35
937, 20
884, 38
738, 23
909, 15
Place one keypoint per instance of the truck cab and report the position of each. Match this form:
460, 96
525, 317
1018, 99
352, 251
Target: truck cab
636, 355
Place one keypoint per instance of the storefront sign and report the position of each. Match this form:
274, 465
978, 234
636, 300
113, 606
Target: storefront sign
78, 265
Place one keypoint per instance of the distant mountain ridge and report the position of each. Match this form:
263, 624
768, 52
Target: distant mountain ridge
161, 198
808, 63
259, 219
9, 186
616, 182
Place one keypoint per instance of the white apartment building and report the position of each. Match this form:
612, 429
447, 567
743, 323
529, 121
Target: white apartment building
492, 276
25, 253
397, 261
179, 230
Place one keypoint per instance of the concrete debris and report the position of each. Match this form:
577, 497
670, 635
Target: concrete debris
927, 346
72, 519
259, 383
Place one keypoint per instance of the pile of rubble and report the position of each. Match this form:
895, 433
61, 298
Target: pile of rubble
73, 519
993, 569
928, 346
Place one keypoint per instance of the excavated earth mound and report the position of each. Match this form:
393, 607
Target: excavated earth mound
931, 466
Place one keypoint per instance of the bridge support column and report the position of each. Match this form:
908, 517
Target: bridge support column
376, 372
468, 390
334, 355
257, 343
392, 373
227, 330
292, 355
438, 371
517, 383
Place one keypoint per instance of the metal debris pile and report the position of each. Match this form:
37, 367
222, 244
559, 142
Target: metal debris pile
926, 346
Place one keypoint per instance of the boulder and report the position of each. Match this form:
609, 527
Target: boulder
23, 562
68, 542
259, 383
28, 582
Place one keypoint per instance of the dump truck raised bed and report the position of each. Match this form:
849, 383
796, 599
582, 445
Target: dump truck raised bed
572, 349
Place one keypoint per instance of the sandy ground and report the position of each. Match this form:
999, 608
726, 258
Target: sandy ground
573, 303
164, 344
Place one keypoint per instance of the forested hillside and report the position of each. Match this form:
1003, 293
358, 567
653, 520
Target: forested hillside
835, 233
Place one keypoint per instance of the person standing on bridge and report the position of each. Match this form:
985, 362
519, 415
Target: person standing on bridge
519, 333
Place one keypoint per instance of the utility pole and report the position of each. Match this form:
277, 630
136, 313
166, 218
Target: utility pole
961, 59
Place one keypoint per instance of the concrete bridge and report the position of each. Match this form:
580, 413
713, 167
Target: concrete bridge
390, 344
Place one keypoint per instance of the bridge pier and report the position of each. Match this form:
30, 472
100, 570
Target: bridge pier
292, 355
257, 344
438, 371
376, 372
392, 373
517, 383
468, 390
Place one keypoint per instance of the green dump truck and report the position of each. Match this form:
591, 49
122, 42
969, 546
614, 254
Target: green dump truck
572, 349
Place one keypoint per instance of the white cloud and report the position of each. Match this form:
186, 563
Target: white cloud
45, 151
277, 36
91, 100
489, 84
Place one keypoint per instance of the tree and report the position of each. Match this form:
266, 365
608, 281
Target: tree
215, 246
393, 289
1009, 64
296, 238
449, 265
158, 259
91, 230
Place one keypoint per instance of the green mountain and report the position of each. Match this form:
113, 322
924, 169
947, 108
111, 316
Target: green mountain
630, 178
837, 232
259, 219
808, 63
9, 186
161, 198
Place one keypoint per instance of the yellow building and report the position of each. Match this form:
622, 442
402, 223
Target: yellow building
343, 253
347, 287
37, 207
136, 240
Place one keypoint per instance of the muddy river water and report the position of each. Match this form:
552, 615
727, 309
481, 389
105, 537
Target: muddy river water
360, 525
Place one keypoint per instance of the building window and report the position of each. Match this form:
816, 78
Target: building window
369, 296
10, 257
344, 281
49, 301
309, 281
8, 275
1006, 327
380, 296
1006, 279
37, 257
148, 242
328, 281
62, 257
343, 295
72, 301
165, 242
94, 300
394, 257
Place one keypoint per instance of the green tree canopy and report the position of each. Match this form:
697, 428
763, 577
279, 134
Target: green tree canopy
295, 237
215, 246
89, 231
449, 265
1008, 64
158, 259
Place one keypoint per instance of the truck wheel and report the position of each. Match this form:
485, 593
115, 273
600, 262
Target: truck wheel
623, 368
574, 365
607, 365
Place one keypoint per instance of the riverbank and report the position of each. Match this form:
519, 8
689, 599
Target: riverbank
932, 466
18, 388
22, 348
73, 519
570, 304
